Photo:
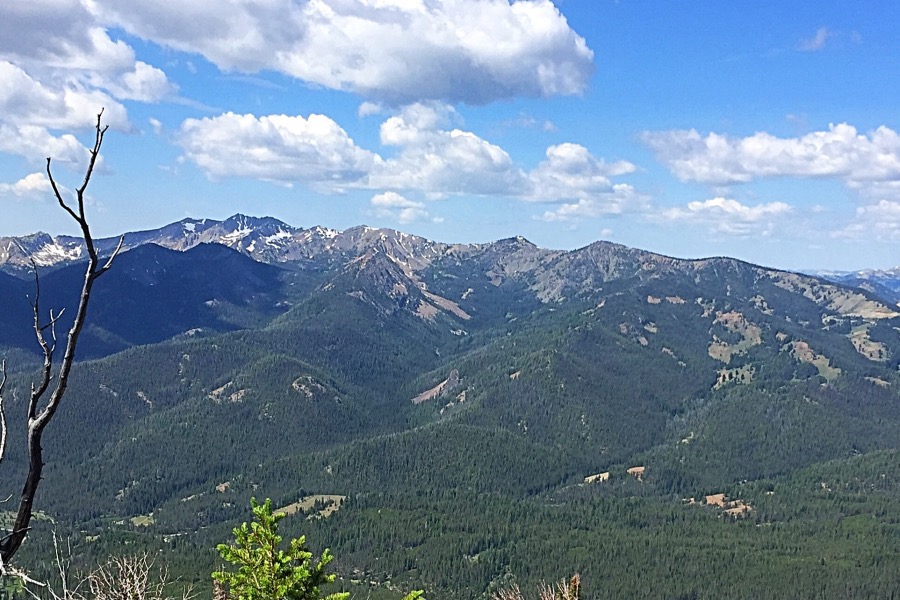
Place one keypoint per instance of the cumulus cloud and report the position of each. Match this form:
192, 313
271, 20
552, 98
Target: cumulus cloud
618, 199
840, 152
142, 82
58, 33
728, 216
61, 42
58, 69
431, 158
28, 101
36, 144
394, 51
394, 206
33, 185
879, 222
570, 169
30, 111
278, 148
571, 172
436, 159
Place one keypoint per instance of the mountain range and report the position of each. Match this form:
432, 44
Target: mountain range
883, 282
465, 406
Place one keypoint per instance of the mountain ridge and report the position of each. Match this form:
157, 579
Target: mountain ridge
242, 232
469, 284
286, 363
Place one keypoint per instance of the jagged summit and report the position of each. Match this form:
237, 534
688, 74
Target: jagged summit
548, 275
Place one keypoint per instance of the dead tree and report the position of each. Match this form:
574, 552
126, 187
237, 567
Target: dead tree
48, 390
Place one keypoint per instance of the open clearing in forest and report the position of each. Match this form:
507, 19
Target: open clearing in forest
802, 352
332, 504
143, 520
440, 389
734, 321
730, 507
865, 345
740, 375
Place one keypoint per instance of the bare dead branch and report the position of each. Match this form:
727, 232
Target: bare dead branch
58, 591
39, 416
51, 324
133, 577
37, 391
112, 256
23, 577
79, 216
562, 590
2, 414
57, 194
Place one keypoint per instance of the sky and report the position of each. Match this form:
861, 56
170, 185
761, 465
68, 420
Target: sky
766, 131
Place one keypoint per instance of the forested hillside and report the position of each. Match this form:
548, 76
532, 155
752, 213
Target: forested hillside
457, 418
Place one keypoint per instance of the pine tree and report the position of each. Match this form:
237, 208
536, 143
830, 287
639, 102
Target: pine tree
265, 572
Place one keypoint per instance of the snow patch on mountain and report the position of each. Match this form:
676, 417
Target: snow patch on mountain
277, 239
54, 253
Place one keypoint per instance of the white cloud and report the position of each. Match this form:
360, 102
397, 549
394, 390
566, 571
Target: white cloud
618, 199
876, 190
841, 152
61, 43
58, 69
394, 206
885, 209
878, 222
36, 144
817, 41
367, 109
279, 148
728, 216
27, 101
30, 186
143, 82
30, 111
432, 159
60, 34
527, 121
825, 36
570, 173
570, 169
395, 51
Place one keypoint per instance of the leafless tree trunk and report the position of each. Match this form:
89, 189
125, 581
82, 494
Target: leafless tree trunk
41, 407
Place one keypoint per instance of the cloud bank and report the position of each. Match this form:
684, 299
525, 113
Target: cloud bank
431, 158
730, 217
392, 51
58, 68
840, 152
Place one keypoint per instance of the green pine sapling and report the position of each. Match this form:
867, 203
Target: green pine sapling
265, 572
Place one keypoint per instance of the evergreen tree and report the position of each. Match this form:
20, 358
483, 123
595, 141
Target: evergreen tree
265, 572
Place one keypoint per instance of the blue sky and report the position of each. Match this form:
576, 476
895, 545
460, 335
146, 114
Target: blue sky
764, 131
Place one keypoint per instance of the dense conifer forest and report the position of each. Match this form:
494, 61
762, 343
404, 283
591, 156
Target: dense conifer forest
666, 429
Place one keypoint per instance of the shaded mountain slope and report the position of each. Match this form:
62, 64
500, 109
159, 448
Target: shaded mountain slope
480, 405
